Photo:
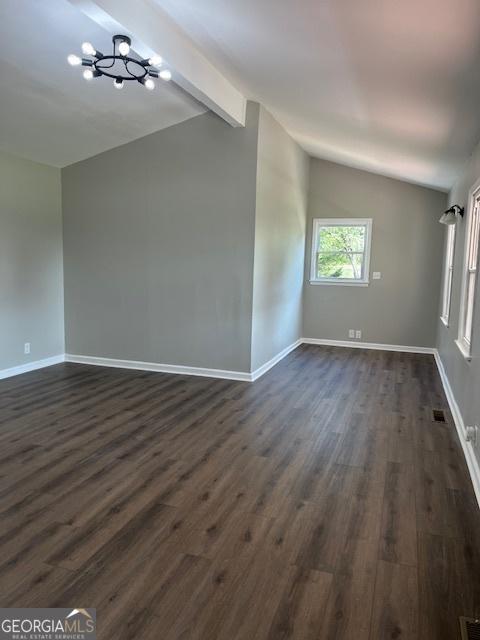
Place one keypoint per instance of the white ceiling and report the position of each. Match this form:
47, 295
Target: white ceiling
48, 112
391, 86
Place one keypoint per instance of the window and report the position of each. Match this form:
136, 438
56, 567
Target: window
464, 341
341, 251
448, 274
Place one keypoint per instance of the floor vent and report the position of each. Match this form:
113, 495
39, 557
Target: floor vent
438, 415
470, 628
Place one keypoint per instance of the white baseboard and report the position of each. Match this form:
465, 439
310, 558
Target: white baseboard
200, 371
468, 451
275, 360
31, 366
161, 368
183, 370
368, 345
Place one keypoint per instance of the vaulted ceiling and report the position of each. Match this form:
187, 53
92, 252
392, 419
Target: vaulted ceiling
392, 86
48, 112
385, 85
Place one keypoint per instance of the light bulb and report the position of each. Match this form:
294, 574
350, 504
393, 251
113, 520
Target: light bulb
88, 49
74, 60
124, 48
88, 74
118, 83
155, 61
165, 74
149, 84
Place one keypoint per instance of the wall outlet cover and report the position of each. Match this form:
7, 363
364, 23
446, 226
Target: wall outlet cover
26, 348
351, 333
376, 275
358, 334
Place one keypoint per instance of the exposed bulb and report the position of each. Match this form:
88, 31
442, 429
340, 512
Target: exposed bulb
165, 74
149, 84
118, 83
74, 60
124, 48
88, 74
88, 49
155, 61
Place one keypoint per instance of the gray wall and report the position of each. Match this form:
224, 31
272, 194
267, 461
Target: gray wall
407, 242
159, 240
464, 377
280, 223
31, 280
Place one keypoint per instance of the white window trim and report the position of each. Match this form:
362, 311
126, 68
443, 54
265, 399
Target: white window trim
448, 274
465, 343
325, 222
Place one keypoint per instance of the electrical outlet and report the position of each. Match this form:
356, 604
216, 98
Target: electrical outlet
358, 334
26, 348
376, 275
351, 333
471, 434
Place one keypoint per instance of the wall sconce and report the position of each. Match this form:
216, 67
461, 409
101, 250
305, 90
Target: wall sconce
452, 215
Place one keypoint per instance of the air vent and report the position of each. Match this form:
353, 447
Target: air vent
438, 415
470, 628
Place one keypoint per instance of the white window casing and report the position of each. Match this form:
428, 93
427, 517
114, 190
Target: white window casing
469, 275
355, 258
448, 274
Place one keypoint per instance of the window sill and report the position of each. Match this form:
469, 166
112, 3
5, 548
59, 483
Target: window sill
466, 354
445, 321
339, 284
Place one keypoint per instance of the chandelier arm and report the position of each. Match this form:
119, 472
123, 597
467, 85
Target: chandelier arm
109, 66
130, 73
127, 75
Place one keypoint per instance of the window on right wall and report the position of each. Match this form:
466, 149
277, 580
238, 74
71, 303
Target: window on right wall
448, 274
465, 328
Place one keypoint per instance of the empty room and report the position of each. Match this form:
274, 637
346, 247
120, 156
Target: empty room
239, 320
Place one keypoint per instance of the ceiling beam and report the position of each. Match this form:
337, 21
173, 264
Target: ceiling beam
153, 31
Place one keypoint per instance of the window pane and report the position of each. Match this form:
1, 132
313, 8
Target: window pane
448, 273
468, 293
340, 265
470, 303
474, 241
341, 238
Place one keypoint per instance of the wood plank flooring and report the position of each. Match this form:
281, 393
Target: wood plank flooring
320, 502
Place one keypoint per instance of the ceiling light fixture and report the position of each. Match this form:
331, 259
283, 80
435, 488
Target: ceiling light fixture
88, 49
74, 60
165, 74
119, 65
155, 61
149, 84
452, 215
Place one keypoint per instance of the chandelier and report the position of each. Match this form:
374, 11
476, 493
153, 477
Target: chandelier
119, 65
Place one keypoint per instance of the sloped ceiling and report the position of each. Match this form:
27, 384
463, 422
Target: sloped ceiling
385, 85
48, 112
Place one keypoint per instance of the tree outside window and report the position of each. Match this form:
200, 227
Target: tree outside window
340, 250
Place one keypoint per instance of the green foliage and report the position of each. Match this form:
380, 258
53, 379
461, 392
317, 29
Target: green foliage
339, 252
348, 239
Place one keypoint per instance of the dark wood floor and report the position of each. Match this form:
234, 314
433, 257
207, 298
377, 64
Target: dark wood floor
319, 502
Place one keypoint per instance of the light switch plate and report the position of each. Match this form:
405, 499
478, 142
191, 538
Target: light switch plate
376, 275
